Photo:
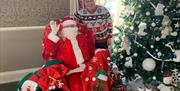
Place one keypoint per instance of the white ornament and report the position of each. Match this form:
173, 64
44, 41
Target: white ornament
157, 38
175, 77
126, 44
149, 64
174, 33
129, 10
152, 46
159, 54
167, 30
159, 9
156, 50
177, 25
137, 76
148, 13
121, 56
170, 46
128, 62
135, 54
165, 20
154, 78
142, 26
153, 24
167, 80
177, 53
166, 9
137, 22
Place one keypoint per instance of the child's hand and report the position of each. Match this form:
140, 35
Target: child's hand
109, 42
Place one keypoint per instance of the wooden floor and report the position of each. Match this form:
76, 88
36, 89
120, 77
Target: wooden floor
8, 87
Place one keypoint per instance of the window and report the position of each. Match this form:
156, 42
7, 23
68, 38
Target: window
115, 7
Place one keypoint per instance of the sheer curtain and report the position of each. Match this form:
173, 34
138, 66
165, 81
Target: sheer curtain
116, 8
117, 20
74, 6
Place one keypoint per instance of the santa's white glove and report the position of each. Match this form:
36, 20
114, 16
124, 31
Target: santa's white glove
54, 27
79, 69
53, 34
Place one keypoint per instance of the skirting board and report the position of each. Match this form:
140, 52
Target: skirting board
6, 29
14, 76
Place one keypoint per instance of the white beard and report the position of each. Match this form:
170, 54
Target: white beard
71, 34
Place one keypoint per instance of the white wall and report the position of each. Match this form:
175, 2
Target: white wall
20, 48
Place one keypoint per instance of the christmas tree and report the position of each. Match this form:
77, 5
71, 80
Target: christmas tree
148, 41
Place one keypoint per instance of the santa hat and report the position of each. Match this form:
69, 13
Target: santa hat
68, 21
101, 75
168, 74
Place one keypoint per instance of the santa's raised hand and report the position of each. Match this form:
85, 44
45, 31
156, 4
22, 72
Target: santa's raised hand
54, 30
54, 27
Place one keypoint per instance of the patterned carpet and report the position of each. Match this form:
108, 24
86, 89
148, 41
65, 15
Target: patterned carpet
8, 87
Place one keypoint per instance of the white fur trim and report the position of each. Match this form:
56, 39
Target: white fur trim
102, 77
99, 50
71, 33
79, 69
69, 22
53, 37
29, 84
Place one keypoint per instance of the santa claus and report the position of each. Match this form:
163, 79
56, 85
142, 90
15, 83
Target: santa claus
71, 43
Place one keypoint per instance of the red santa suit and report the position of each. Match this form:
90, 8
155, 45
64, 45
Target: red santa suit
68, 41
